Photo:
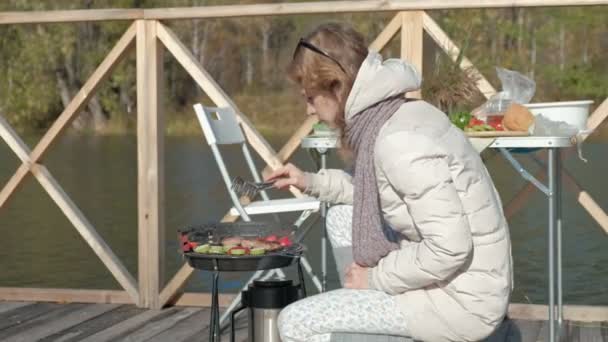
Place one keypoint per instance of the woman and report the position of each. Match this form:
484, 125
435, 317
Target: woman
430, 242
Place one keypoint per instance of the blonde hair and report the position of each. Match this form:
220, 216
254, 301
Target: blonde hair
317, 73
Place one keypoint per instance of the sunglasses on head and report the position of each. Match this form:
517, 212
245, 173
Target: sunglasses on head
311, 47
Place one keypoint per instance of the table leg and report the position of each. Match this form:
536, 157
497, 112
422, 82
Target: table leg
324, 233
558, 194
551, 176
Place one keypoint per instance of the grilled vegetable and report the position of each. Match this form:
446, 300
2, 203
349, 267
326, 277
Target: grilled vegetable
203, 249
238, 250
215, 249
285, 241
257, 251
271, 238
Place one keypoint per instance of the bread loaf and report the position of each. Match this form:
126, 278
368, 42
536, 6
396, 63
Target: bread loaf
517, 118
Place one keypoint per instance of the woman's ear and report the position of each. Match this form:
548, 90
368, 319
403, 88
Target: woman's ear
336, 88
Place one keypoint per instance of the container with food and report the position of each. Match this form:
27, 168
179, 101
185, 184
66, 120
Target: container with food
241, 246
574, 113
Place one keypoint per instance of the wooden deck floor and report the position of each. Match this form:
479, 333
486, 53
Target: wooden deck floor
28, 321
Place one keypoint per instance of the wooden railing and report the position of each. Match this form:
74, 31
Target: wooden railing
150, 37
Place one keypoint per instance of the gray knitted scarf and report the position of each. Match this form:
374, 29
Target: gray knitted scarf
370, 240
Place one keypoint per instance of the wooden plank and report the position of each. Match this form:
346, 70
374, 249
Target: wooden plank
274, 9
11, 138
189, 329
543, 333
114, 332
28, 312
581, 313
491, 134
411, 42
501, 334
94, 325
524, 330
86, 230
445, 43
9, 306
150, 161
572, 332
598, 116
64, 295
591, 333
203, 299
23, 325
59, 323
13, 183
387, 34
348, 7
173, 289
158, 326
69, 113
69, 16
217, 94
604, 326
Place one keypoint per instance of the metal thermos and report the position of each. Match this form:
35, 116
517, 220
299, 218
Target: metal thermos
265, 299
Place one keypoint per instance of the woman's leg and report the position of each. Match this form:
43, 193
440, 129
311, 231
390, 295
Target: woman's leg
313, 319
339, 230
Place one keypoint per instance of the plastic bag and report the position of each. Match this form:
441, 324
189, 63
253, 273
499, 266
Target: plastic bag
544, 127
515, 88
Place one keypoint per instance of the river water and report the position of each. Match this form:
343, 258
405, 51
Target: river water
40, 248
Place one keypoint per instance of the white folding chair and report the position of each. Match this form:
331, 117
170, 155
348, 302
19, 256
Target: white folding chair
220, 127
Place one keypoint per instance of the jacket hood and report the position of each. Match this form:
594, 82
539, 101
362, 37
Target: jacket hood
379, 79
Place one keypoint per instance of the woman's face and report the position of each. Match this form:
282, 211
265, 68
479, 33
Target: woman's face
324, 105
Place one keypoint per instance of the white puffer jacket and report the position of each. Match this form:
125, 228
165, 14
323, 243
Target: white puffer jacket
453, 274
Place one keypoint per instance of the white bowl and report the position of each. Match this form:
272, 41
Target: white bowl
574, 113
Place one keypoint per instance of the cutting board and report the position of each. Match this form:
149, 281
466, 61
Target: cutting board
497, 134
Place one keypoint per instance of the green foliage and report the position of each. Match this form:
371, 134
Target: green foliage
562, 48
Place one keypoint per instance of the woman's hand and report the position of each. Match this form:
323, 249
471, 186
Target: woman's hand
356, 277
289, 175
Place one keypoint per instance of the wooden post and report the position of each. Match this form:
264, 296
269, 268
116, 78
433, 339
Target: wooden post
411, 42
387, 34
150, 160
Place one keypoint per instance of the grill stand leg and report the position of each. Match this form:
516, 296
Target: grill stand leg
214, 320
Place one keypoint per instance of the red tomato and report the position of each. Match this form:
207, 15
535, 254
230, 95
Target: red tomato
193, 245
496, 122
475, 122
271, 238
285, 241
498, 126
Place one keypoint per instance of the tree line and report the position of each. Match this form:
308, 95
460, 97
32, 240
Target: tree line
42, 66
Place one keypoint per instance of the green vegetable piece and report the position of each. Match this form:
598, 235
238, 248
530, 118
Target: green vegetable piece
257, 251
203, 249
460, 119
217, 250
237, 251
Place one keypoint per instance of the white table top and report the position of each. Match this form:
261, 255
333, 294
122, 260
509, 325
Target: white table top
532, 142
321, 141
333, 141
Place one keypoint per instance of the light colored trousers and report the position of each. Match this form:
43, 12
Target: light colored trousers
315, 318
